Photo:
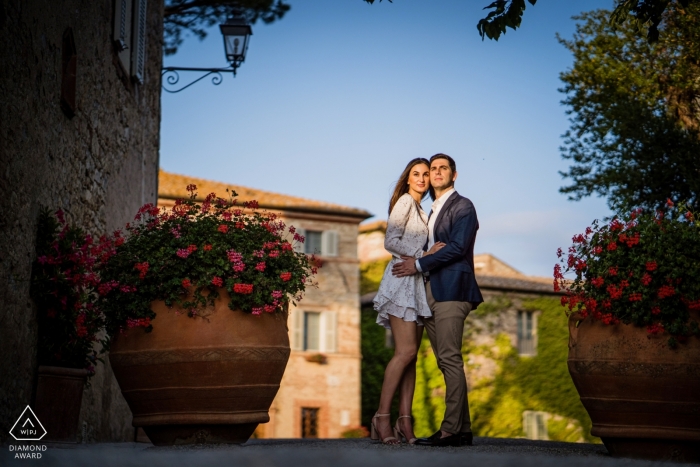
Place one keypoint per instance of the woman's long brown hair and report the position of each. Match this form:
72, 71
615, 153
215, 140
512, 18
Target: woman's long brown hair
402, 185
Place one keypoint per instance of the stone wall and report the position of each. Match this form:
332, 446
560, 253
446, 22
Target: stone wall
98, 166
332, 387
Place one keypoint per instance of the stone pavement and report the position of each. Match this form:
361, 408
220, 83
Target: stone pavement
491, 452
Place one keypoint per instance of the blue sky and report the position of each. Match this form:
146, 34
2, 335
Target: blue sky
336, 98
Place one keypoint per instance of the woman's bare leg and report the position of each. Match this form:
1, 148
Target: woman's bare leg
407, 387
405, 351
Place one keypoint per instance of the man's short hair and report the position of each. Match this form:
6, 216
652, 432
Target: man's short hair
450, 161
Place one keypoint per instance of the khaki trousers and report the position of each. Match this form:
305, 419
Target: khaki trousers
445, 329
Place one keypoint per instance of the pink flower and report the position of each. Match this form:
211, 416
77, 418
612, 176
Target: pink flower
217, 281
183, 252
234, 256
273, 254
260, 266
257, 310
277, 294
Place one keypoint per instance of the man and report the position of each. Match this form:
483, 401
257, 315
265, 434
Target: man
452, 293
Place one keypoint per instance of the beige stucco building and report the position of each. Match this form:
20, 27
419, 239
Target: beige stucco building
320, 392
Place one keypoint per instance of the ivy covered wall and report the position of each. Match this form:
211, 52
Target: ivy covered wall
503, 384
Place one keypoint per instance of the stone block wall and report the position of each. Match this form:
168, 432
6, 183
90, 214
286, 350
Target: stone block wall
332, 387
98, 166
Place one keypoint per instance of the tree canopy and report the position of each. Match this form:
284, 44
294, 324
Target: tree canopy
635, 107
196, 16
645, 15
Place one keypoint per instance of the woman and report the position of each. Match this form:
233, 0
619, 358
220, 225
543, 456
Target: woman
401, 301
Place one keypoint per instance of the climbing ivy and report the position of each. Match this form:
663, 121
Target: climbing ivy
540, 383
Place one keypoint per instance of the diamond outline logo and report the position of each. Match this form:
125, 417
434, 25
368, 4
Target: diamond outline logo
29, 419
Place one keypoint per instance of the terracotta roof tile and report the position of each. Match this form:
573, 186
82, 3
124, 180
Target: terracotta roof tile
173, 186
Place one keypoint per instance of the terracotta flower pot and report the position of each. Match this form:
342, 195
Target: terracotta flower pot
209, 379
642, 396
59, 393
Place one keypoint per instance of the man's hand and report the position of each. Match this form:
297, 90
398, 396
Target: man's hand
405, 268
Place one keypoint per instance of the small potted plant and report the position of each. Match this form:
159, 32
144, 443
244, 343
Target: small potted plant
633, 301
64, 289
195, 302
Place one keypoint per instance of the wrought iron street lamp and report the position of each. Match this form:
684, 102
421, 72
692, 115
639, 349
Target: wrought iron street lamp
236, 32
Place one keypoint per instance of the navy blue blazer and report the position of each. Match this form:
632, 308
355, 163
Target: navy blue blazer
452, 268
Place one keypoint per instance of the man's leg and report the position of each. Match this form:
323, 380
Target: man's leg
448, 323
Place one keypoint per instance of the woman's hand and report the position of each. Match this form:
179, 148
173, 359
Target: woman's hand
435, 248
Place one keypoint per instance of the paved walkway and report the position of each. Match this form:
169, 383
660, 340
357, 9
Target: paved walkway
491, 452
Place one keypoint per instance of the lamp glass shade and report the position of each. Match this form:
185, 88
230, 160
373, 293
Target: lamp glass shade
236, 33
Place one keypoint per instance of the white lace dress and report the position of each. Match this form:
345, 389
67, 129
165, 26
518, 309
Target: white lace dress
406, 234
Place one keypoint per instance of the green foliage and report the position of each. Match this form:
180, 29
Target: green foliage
643, 14
429, 397
493, 306
640, 14
371, 274
186, 256
375, 357
63, 287
196, 16
359, 432
640, 269
506, 13
539, 383
635, 110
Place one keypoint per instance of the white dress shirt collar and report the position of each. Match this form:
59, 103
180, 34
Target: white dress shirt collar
441, 200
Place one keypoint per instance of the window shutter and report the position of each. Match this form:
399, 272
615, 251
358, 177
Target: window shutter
329, 243
297, 329
122, 32
298, 246
331, 325
138, 55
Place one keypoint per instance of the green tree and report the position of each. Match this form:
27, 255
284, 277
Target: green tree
196, 16
634, 135
644, 15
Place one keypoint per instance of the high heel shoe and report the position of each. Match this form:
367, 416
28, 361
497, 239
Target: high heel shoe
397, 431
375, 432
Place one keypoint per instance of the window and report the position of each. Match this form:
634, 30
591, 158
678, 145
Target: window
129, 36
313, 242
535, 425
527, 333
309, 422
324, 243
314, 331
